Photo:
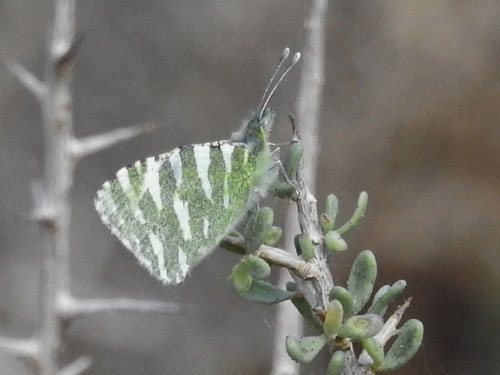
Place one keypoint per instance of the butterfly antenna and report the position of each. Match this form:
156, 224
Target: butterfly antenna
265, 99
283, 57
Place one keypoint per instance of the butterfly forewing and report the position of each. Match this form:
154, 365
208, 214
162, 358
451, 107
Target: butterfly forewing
173, 209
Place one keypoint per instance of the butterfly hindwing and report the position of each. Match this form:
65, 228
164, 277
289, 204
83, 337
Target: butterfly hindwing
173, 209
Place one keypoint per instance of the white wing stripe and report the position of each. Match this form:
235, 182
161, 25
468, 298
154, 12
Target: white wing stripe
227, 152
202, 157
176, 165
205, 227
182, 211
152, 180
160, 255
183, 263
124, 180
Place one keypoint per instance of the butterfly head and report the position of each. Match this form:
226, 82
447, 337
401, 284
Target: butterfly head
255, 131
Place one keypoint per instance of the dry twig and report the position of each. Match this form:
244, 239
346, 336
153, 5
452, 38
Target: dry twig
289, 322
52, 207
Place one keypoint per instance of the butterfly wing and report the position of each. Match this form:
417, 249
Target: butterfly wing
174, 209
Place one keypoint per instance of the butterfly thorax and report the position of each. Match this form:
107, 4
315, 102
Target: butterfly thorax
254, 134
255, 131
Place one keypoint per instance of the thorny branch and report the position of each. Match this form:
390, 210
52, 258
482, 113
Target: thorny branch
36, 87
52, 204
23, 348
72, 308
95, 143
76, 367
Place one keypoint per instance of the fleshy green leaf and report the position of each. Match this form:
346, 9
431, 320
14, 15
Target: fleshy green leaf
296, 244
382, 300
257, 267
375, 350
264, 292
380, 293
292, 158
358, 214
284, 189
333, 319
361, 327
362, 278
241, 279
336, 363
306, 247
326, 222
303, 306
263, 222
272, 236
345, 298
405, 346
334, 242
229, 246
250, 220
332, 208
304, 350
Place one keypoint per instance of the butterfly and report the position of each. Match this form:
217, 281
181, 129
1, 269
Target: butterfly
173, 209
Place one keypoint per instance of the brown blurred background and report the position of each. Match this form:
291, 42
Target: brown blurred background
411, 113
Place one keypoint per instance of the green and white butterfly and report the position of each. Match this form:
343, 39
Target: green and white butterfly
173, 209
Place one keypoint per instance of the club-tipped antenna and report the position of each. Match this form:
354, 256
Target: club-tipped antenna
283, 57
266, 97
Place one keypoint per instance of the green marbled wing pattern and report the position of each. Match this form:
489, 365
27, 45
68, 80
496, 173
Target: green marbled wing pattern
173, 209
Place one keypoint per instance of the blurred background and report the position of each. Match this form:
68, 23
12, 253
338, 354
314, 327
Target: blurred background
411, 114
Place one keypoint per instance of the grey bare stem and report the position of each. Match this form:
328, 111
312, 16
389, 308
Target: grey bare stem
95, 143
390, 326
76, 367
52, 205
308, 108
277, 257
23, 348
71, 308
58, 131
27, 79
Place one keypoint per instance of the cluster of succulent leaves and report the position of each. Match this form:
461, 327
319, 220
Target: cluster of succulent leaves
347, 320
343, 323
